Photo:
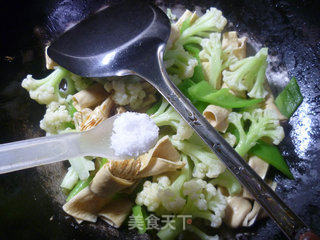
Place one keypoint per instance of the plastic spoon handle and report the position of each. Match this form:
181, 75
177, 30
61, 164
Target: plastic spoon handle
38, 151
45, 150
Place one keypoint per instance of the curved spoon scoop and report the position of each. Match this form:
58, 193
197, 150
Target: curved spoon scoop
114, 41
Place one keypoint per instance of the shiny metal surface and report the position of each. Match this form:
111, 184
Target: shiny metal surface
113, 41
140, 52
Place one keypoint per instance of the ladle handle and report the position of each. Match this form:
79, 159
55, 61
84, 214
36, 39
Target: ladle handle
285, 218
37, 151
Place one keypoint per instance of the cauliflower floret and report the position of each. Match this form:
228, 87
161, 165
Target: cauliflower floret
163, 192
206, 163
125, 92
166, 115
149, 196
258, 90
47, 90
171, 201
211, 21
268, 121
56, 119
248, 74
204, 201
163, 181
82, 166
210, 56
179, 62
200, 169
264, 123
70, 179
80, 83
193, 189
230, 138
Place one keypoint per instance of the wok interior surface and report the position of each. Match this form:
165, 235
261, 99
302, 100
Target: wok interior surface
30, 200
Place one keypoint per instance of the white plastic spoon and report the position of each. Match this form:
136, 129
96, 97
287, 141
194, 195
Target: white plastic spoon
45, 150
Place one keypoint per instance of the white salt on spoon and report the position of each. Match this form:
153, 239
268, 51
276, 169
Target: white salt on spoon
133, 134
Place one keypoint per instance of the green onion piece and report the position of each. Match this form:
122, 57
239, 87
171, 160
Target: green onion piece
70, 108
102, 161
79, 186
154, 108
70, 125
139, 218
289, 99
185, 25
227, 180
271, 154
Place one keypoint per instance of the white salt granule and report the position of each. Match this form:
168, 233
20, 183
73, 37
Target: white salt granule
133, 134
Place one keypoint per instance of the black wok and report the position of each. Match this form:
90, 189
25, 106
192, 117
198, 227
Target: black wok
30, 200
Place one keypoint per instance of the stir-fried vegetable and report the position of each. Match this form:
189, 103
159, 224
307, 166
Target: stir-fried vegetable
166, 115
139, 218
70, 108
263, 123
271, 154
184, 86
70, 179
79, 186
49, 89
203, 92
212, 70
228, 181
204, 201
224, 98
154, 108
205, 162
289, 99
179, 62
198, 74
211, 56
211, 21
248, 74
